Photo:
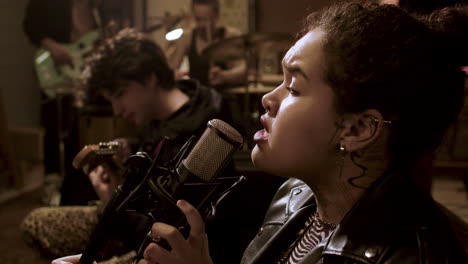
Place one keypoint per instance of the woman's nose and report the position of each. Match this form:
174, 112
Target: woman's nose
271, 101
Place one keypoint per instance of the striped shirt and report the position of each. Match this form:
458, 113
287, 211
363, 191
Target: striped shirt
313, 232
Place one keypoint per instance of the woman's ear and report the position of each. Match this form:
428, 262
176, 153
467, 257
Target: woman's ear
360, 130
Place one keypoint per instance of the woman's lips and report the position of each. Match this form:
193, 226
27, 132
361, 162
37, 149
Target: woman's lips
260, 136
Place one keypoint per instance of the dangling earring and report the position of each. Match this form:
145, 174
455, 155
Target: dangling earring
340, 162
342, 149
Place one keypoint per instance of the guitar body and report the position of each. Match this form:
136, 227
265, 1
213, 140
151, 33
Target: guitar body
52, 77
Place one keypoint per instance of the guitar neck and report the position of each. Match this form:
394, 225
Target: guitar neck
92, 156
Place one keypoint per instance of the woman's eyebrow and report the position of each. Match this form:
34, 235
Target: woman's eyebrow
294, 70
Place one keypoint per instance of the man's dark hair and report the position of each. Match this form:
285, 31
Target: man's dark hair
213, 3
380, 57
128, 56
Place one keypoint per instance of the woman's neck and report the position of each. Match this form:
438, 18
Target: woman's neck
343, 187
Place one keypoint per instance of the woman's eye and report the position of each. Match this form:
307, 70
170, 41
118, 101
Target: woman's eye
291, 90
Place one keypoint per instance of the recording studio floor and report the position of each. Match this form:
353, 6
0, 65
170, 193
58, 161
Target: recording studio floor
13, 250
447, 189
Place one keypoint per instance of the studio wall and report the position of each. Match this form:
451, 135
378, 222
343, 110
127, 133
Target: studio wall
283, 16
20, 93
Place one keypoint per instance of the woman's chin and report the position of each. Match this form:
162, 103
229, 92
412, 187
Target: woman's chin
254, 155
265, 163
258, 158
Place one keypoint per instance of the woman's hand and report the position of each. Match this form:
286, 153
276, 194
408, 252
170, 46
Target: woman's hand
74, 259
193, 250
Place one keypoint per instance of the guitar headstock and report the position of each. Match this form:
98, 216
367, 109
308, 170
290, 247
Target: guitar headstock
93, 155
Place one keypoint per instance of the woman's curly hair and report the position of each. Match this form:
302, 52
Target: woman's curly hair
127, 56
409, 69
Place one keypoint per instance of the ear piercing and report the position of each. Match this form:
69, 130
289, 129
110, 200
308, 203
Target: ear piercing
376, 120
342, 149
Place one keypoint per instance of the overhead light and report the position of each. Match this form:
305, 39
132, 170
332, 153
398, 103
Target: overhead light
174, 34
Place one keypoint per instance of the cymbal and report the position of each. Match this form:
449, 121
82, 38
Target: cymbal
237, 47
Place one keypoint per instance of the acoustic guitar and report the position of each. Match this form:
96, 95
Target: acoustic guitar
96, 154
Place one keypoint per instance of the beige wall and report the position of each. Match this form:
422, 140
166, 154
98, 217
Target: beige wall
282, 15
235, 13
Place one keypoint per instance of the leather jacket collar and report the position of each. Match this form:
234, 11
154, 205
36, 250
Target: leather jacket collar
394, 222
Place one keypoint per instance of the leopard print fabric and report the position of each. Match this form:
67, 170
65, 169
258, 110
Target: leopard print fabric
65, 230
60, 231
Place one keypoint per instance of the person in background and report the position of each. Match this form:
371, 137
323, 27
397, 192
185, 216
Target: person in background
131, 72
206, 33
51, 25
347, 126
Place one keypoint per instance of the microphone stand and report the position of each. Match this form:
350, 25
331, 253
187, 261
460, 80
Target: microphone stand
146, 194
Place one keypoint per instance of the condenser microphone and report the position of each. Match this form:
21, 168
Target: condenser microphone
155, 191
212, 152
194, 176
196, 179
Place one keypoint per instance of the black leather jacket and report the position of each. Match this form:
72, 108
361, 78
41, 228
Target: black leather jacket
394, 222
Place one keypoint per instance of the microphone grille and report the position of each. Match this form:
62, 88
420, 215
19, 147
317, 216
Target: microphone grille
213, 150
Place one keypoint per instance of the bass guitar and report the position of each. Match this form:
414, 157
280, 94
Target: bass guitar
53, 77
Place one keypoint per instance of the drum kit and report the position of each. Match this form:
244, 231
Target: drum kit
262, 53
